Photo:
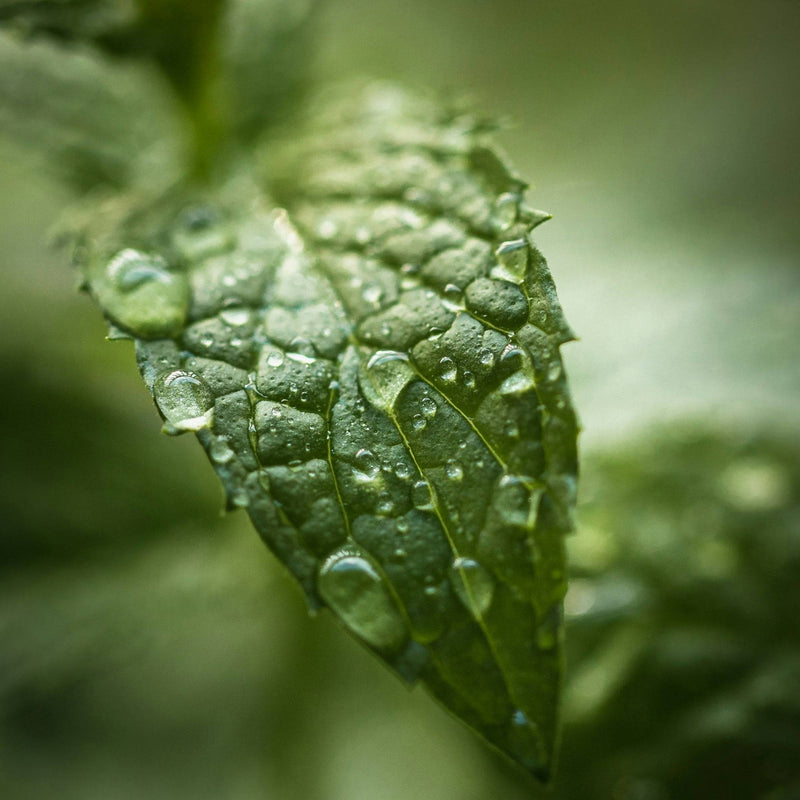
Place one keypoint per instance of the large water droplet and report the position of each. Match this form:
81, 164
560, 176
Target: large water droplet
421, 496
355, 591
505, 211
513, 258
185, 401
447, 369
473, 585
366, 465
138, 293
131, 268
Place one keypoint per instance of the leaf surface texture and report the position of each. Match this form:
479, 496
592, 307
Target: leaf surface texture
374, 372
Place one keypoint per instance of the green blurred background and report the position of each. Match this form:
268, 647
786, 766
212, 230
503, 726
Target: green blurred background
151, 648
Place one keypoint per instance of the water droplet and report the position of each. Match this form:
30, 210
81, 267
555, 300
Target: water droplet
402, 525
419, 423
236, 316
302, 346
140, 295
366, 465
513, 258
447, 369
130, 268
372, 293
220, 452
384, 356
300, 358
453, 298
453, 470
207, 340
185, 401
385, 507
362, 235
554, 371
327, 229
526, 741
469, 379
409, 269
505, 211
486, 357
240, 498
428, 406
473, 585
355, 591
421, 496
399, 554
402, 470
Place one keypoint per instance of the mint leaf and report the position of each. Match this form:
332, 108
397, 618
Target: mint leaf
381, 389
89, 118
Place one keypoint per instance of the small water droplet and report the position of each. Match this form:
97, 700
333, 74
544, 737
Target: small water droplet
473, 585
419, 423
453, 298
220, 452
366, 465
453, 470
353, 588
207, 340
526, 741
385, 507
237, 316
554, 371
383, 356
469, 379
486, 357
421, 496
240, 498
447, 369
185, 401
372, 293
402, 470
428, 406
327, 229
402, 525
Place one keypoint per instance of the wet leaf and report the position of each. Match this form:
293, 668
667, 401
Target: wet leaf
375, 377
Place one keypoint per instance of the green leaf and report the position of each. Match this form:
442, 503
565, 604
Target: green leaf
381, 389
91, 119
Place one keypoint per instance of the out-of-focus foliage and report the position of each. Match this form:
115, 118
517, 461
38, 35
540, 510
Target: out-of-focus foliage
684, 637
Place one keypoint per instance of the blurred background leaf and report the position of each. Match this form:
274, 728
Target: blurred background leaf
151, 650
